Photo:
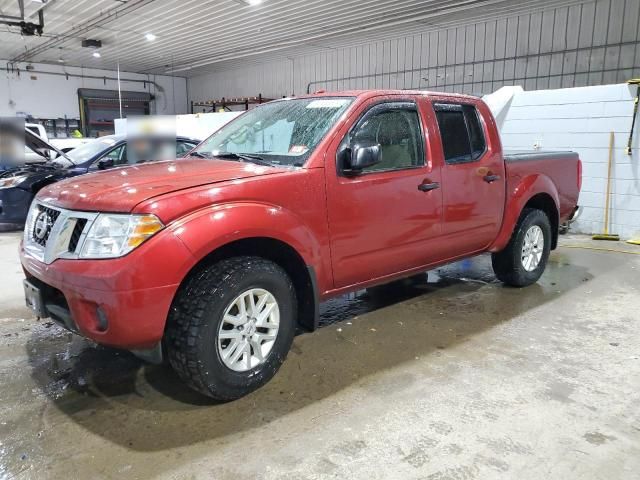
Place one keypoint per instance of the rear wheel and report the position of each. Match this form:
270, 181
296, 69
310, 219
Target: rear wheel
524, 259
231, 326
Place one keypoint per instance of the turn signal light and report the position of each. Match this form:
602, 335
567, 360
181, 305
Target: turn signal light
146, 227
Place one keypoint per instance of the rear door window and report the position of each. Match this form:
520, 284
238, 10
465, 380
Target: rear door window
461, 132
476, 135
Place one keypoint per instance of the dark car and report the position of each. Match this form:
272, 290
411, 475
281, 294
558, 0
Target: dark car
19, 185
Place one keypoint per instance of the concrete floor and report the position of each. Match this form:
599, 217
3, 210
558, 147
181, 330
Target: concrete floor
458, 378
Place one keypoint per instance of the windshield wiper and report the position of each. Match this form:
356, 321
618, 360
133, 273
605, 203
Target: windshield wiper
198, 154
245, 157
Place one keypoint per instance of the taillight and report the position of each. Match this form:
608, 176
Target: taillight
579, 175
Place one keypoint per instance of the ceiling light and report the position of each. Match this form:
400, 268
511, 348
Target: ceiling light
96, 54
150, 37
61, 60
254, 2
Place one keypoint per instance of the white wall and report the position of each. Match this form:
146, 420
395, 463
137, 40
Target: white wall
53, 96
580, 119
593, 43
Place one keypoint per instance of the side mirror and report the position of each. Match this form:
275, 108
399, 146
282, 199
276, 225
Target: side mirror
363, 156
105, 163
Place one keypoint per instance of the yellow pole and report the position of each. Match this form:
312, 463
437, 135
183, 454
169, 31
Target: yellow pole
605, 235
606, 203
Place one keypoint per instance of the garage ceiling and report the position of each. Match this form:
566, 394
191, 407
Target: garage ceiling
193, 37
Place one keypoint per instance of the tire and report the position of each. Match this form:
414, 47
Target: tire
510, 265
198, 328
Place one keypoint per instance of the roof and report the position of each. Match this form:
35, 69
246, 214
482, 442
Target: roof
381, 92
195, 37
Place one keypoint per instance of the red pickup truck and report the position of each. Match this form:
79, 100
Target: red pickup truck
215, 260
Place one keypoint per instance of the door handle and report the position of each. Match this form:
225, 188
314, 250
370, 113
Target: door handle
427, 187
490, 178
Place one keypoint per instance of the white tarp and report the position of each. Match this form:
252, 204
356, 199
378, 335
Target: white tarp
581, 119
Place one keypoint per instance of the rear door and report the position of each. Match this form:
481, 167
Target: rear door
473, 178
382, 220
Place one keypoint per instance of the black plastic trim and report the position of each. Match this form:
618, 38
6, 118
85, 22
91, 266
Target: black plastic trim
316, 297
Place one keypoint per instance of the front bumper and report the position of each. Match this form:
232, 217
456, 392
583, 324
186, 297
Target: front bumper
122, 302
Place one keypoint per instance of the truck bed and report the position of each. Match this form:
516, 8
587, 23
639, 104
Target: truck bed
524, 155
560, 168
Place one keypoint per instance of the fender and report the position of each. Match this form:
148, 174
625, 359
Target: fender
516, 199
205, 230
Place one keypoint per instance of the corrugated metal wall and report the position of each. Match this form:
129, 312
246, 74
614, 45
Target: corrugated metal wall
592, 43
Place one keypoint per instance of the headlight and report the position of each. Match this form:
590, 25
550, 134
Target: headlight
112, 235
12, 181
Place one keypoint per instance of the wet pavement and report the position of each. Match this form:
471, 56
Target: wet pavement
450, 376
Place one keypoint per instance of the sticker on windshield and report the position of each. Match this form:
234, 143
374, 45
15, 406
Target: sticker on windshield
328, 103
298, 149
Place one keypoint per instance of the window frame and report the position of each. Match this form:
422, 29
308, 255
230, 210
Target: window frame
185, 142
460, 106
104, 154
375, 109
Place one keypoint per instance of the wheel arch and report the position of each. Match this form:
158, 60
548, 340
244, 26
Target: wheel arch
534, 191
545, 203
287, 257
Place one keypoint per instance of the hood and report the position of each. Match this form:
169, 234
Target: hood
40, 146
35, 143
121, 189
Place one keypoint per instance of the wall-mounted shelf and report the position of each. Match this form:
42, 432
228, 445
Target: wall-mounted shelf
57, 127
225, 104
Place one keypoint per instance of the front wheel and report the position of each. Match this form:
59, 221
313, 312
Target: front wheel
524, 259
231, 326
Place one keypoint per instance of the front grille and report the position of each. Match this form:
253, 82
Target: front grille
54, 232
77, 233
51, 217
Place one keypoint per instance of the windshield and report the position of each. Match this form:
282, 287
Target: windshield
284, 132
87, 151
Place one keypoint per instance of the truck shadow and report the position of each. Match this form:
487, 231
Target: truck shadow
147, 408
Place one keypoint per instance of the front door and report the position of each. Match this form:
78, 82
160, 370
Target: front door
382, 219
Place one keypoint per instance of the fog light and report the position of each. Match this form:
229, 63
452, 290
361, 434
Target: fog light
103, 322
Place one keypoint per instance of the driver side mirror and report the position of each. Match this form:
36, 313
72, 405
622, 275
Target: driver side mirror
361, 156
105, 163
